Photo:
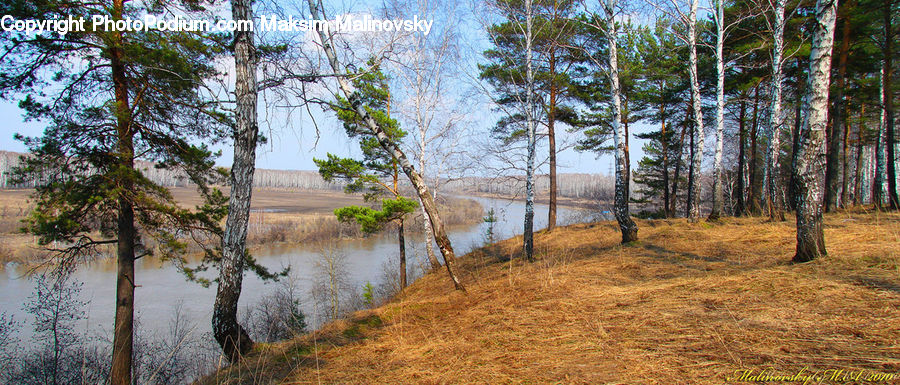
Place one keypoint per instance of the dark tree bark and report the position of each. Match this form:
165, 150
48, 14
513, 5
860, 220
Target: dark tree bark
691, 196
845, 164
677, 174
667, 207
230, 335
857, 177
123, 332
551, 138
833, 163
739, 206
753, 199
808, 167
402, 243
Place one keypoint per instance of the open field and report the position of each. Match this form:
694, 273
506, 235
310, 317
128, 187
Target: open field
689, 303
278, 216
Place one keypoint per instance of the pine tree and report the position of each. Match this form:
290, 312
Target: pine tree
377, 165
132, 96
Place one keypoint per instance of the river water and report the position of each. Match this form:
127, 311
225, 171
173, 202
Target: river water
161, 288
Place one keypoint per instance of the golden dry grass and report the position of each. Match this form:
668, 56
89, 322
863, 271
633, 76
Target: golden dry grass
688, 303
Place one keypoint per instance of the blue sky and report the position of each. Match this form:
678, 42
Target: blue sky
293, 144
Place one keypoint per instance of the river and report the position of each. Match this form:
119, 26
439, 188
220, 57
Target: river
161, 288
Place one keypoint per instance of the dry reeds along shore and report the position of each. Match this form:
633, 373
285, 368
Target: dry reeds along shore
278, 216
687, 304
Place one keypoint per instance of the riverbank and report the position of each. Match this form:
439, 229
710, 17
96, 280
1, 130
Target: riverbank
688, 303
278, 217
544, 199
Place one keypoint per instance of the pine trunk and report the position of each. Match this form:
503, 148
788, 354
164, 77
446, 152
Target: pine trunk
754, 195
123, 332
230, 335
440, 233
620, 208
551, 138
845, 163
667, 207
808, 168
857, 177
402, 243
832, 165
739, 206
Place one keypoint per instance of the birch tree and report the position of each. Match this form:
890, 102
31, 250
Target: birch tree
689, 37
620, 207
326, 39
424, 69
776, 119
528, 235
697, 106
230, 335
808, 165
880, 140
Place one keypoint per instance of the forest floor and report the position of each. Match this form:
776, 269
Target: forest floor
277, 216
707, 303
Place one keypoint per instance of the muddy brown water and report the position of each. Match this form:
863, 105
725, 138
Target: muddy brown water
161, 288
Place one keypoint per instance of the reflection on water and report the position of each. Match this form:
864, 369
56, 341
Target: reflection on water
161, 287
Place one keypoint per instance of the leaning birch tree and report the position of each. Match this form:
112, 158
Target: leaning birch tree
326, 39
809, 163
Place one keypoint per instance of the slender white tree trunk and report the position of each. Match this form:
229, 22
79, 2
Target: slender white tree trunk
809, 167
880, 168
776, 120
528, 241
623, 217
697, 158
718, 197
423, 154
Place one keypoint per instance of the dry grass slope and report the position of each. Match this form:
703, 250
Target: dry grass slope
687, 304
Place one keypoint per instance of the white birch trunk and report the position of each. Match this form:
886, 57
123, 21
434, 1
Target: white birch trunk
697, 158
233, 339
878, 186
528, 238
810, 164
626, 224
718, 198
776, 119
423, 154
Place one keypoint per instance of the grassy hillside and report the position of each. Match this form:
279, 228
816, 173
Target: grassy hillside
687, 304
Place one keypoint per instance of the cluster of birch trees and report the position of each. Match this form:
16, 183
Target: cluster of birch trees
597, 67
800, 123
